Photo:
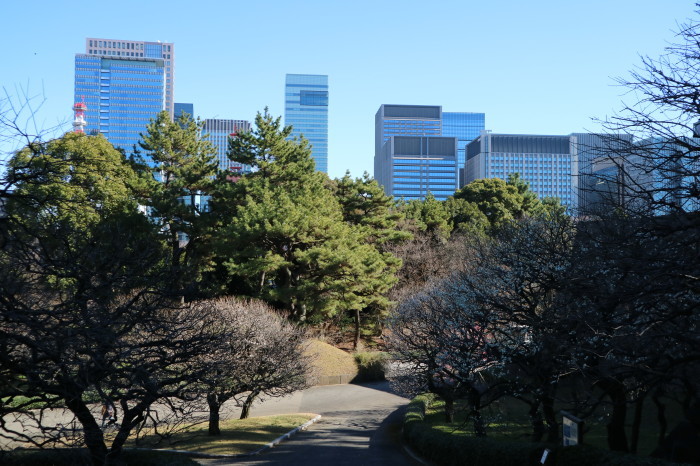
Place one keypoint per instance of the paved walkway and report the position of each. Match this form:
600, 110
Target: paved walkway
361, 425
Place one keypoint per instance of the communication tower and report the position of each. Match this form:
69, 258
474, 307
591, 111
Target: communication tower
79, 122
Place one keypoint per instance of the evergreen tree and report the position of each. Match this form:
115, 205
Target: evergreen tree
499, 201
286, 239
366, 205
183, 165
429, 215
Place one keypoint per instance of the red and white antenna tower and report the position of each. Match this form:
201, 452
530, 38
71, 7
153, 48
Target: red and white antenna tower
79, 122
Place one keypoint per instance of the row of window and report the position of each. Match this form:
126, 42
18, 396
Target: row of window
399, 162
116, 44
117, 53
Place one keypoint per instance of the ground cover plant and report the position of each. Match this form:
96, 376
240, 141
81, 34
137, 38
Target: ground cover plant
237, 435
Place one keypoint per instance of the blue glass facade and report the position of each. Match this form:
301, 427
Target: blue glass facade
548, 163
306, 110
122, 95
465, 127
434, 125
181, 108
413, 166
140, 49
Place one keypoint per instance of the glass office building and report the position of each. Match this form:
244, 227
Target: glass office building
414, 166
650, 176
548, 163
427, 121
140, 49
306, 110
465, 127
122, 95
181, 108
124, 84
218, 132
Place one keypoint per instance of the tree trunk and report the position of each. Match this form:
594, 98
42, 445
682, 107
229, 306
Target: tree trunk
94, 439
247, 404
130, 419
536, 421
214, 406
356, 340
660, 416
550, 418
617, 438
636, 423
475, 402
449, 410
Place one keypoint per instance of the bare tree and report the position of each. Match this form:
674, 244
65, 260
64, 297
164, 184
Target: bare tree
262, 354
82, 317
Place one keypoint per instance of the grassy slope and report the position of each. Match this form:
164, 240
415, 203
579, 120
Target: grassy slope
330, 361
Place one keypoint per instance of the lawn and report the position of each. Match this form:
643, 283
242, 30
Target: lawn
237, 435
508, 419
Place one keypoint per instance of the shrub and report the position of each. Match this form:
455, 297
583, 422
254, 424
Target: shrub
371, 366
444, 448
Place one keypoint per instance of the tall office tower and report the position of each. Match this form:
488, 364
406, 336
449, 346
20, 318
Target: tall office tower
465, 126
401, 120
548, 163
651, 176
180, 108
414, 166
306, 110
219, 132
124, 85
421, 120
591, 147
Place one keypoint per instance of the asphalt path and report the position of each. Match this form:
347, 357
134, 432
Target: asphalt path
361, 425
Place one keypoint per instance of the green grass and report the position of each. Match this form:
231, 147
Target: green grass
77, 457
507, 419
330, 361
237, 435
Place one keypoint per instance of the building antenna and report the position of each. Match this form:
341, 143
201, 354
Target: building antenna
79, 122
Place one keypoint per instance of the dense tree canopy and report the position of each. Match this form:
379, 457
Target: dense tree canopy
180, 167
287, 239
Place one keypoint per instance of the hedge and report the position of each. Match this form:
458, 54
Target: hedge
450, 450
371, 366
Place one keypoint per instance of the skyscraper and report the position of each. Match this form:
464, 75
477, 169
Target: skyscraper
441, 132
181, 108
219, 132
306, 110
124, 84
465, 126
548, 163
413, 166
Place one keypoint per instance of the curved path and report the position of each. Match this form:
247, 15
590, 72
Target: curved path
361, 425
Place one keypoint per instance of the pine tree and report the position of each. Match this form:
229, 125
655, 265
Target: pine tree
287, 238
183, 166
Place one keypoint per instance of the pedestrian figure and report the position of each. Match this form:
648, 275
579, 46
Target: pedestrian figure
109, 413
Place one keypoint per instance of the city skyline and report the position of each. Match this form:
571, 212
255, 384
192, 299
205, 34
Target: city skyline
124, 83
546, 68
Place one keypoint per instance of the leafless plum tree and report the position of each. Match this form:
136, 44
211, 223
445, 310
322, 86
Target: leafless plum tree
262, 355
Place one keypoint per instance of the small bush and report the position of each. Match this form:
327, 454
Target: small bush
371, 366
444, 448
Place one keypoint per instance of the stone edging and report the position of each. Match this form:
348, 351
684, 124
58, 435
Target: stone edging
267, 446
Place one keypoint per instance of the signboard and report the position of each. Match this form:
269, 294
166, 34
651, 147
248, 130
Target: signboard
572, 429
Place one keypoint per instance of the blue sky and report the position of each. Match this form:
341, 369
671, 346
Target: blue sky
544, 67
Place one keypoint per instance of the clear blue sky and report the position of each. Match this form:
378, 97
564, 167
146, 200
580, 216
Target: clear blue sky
532, 66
